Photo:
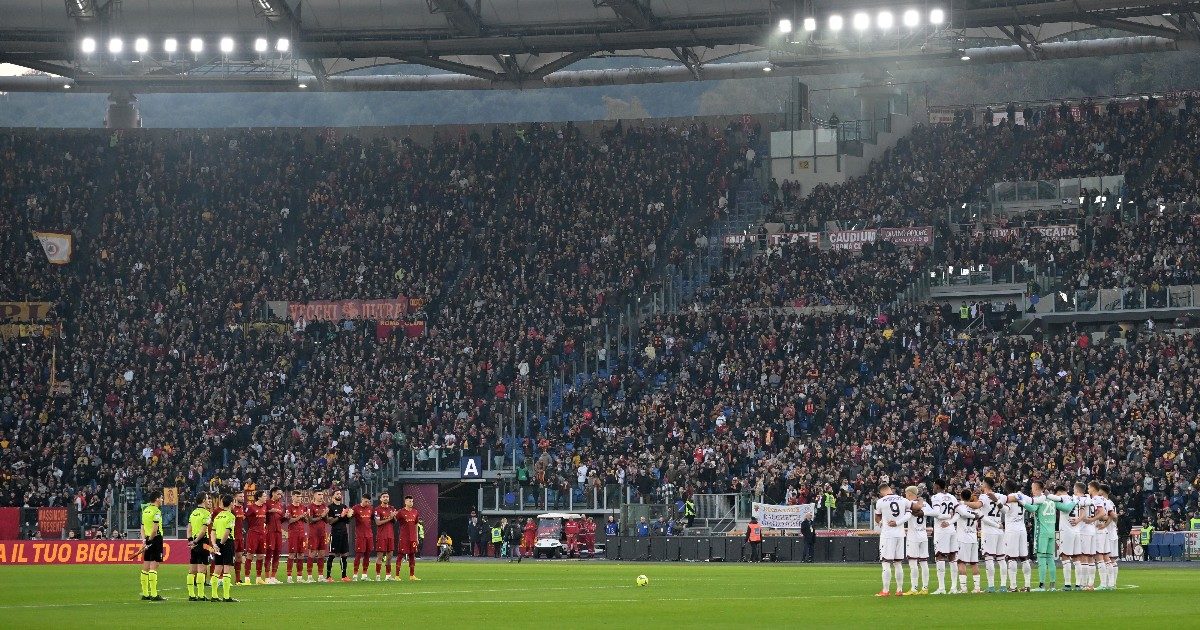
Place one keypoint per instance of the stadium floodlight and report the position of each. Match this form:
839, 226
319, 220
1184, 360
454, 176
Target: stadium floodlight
115, 45
810, 24
767, 68
785, 26
196, 45
937, 17
170, 44
912, 18
88, 45
260, 45
226, 45
303, 86
885, 20
835, 23
965, 57
282, 44
861, 21
141, 45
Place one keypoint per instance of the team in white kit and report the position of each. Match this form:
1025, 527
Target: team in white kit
990, 525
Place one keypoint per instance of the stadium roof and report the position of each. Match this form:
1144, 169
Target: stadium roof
505, 44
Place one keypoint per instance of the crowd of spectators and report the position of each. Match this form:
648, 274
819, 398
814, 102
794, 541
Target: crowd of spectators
517, 248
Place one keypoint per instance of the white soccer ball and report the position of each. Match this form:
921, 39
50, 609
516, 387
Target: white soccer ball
642, 580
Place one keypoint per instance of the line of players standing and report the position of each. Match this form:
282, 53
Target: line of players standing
1080, 530
247, 529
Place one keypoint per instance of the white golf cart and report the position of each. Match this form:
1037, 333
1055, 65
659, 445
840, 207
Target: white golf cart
551, 539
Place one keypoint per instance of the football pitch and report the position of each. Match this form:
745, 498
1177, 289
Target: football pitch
587, 595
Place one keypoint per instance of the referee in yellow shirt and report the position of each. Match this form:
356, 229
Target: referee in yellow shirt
152, 553
222, 531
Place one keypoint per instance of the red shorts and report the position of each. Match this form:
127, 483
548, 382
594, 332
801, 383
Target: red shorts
362, 544
275, 541
571, 540
527, 542
256, 542
407, 546
297, 541
318, 539
385, 544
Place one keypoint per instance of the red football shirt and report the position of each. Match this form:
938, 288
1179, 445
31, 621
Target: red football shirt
362, 521
408, 523
295, 511
317, 512
239, 520
274, 516
388, 529
256, 518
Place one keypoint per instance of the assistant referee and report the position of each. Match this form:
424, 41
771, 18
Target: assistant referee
152, 553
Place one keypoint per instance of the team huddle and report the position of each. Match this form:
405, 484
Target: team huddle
228, 537
991, 525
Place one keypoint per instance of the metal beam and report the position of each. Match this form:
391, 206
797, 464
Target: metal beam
632, 11
559, 64
689, 59
463, 19
82, 10
1022, 38
454, 66
44, 66
1135, 27
801, 66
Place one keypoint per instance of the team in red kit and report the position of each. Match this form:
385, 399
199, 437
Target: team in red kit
261, 518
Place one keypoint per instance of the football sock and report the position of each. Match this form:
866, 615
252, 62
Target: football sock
145, 584
153, 580
1027, 570
258, 566
191, 584
412, 564
227, 587
275, 564
1011, 565
237, 570
914, 576
954, 576
887, 577
290, 563
1116, 569
1041, 571
990, 566
215, 583
356, 556
343, 559
976, 583
925, 575
898, 573
941, 575
328, 566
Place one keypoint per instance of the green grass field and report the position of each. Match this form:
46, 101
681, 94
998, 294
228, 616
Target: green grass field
599, 594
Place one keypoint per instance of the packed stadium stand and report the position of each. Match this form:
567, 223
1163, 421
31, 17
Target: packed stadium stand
787, 370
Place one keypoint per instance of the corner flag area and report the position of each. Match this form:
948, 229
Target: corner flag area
582, 595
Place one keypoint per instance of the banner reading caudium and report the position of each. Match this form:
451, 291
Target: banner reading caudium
85, 551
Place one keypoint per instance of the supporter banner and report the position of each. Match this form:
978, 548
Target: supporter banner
8, 331
908, 237
781, 516
51, 521
85, 551
24, 311
1057, 232
850, 239
56, 245
842, 239
847, 532
334, 311
1052, 232
1193, 543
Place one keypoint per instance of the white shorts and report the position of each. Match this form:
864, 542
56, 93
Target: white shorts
1087, 544
1114, 548
1016, 543
945, 543
916, 548
1069, 543
968, 552
891, 549
993, 544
